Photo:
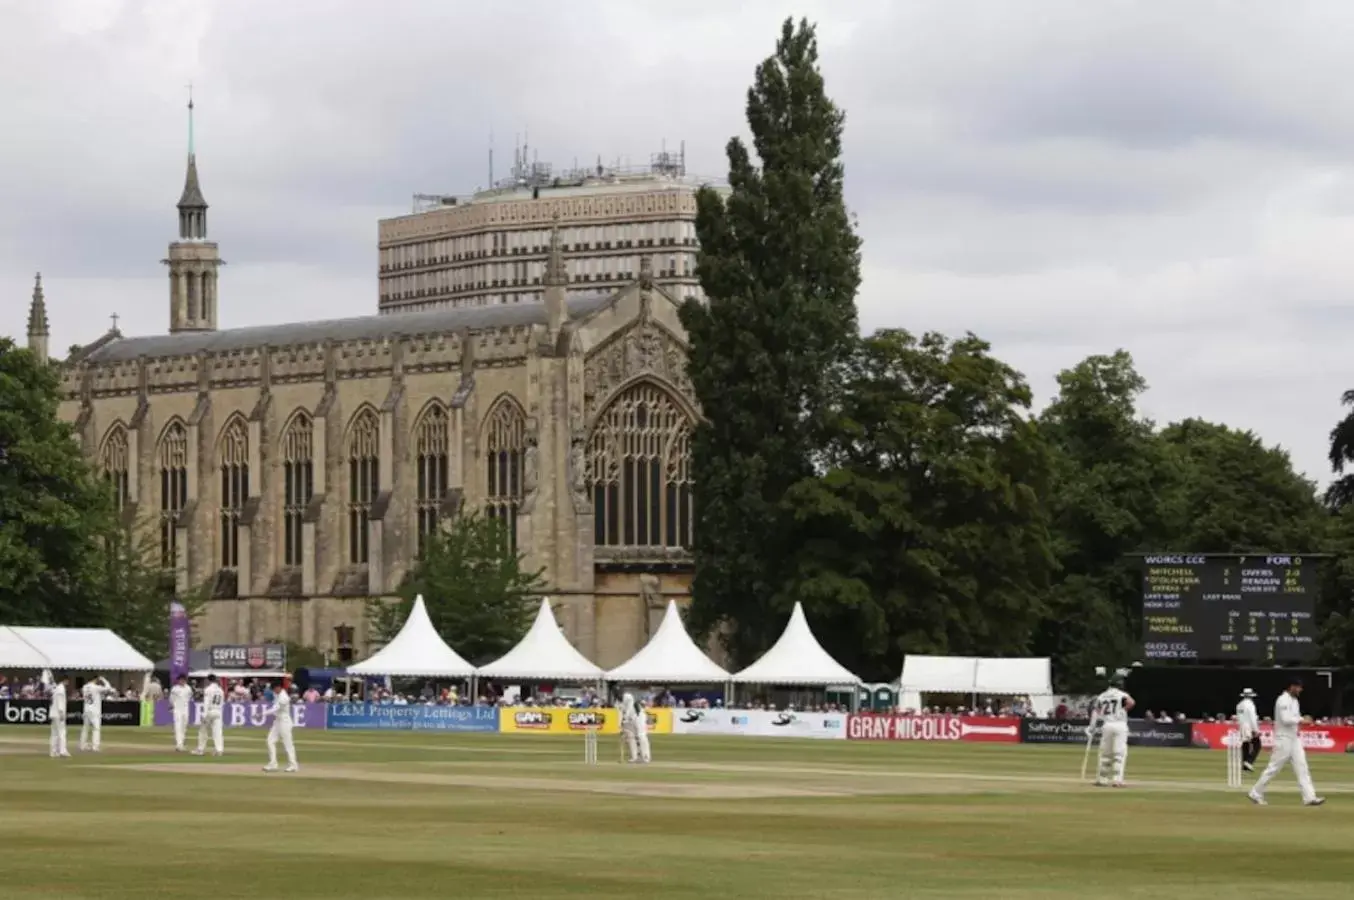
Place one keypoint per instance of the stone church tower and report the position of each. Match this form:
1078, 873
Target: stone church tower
193, 260
297, 469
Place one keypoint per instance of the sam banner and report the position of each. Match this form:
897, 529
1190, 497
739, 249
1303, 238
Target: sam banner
247, 715
982, 729
34, 712
1315, 738
386, 717
759, 723
1141, 733
564, 720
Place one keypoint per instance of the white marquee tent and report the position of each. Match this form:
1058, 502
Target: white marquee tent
670, 657
974, 675
79, 649
418, 651
543, 654
797, 659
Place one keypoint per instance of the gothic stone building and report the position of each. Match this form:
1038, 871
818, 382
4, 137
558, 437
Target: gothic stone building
298, 468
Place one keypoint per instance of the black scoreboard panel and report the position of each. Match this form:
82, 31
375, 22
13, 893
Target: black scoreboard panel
1220, 608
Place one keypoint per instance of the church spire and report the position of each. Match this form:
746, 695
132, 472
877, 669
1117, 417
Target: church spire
556, 279
192, 205
38, 331
193, 260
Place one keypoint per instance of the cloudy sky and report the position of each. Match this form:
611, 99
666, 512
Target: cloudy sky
1060, 177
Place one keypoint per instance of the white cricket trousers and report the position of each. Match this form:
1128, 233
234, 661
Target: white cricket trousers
1113, 752
180, 728
58, 741
631, 743
276, 734
90, 731
642, 742
211, 725
1287, 749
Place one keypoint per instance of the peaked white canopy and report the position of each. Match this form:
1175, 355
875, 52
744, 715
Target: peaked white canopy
797, 658
543, 654
418, 651
80, 649
670, 657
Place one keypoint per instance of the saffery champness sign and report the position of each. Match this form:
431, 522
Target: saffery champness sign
249, 657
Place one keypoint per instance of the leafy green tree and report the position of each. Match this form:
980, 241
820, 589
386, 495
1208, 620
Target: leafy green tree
479, 597
780, 265
926, 534
1341, 492
51, 505
1116, 491
134, 592
1239, 495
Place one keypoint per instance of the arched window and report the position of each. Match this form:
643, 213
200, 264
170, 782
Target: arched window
433, 441
172, 459
234, 455
298, 484
505, 439
364, 482
115, 463
639, 469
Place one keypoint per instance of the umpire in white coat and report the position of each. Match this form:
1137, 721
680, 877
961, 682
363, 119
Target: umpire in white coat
1248, 729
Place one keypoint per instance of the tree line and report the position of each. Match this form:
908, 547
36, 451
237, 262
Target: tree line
902, 486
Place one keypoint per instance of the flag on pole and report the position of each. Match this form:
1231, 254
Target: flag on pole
180, 640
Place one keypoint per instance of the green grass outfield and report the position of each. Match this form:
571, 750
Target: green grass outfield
382, 816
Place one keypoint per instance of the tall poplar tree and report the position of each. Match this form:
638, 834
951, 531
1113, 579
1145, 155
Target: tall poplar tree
779, 264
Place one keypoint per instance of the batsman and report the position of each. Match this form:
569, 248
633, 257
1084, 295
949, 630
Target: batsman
1110, 711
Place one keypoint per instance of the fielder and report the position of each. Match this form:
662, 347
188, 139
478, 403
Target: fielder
92, 721
56, 715
642, 731
1110, 710
281, 731
1287, 748
181, 702
1248, 730
213, 701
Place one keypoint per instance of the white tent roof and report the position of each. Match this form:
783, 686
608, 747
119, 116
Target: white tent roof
973, 674
418, 651
82, 649
797, 658
543, 654
15, 653
670, 657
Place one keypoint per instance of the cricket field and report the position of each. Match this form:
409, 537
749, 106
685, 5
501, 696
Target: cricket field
408, 816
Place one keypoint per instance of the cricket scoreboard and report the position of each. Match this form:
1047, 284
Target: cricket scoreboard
1207, 608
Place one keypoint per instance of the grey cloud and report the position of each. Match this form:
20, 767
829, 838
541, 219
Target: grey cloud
1057, 176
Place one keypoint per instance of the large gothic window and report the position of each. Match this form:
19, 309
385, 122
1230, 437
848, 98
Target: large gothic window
115, 463
364, 482
172, 459
639, 469
433, 442
298, 484
505, 440
234, 455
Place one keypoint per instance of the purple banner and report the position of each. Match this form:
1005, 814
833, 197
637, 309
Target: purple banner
248, 715
180, 641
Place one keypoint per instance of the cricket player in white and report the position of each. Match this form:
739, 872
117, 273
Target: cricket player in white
1287, 748
1110, 710
56, 715
641, 731
181, 702
281, 731
628, 723
213, 703
92, 720
1248, 729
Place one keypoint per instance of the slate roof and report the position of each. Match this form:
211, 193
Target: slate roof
438, 321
